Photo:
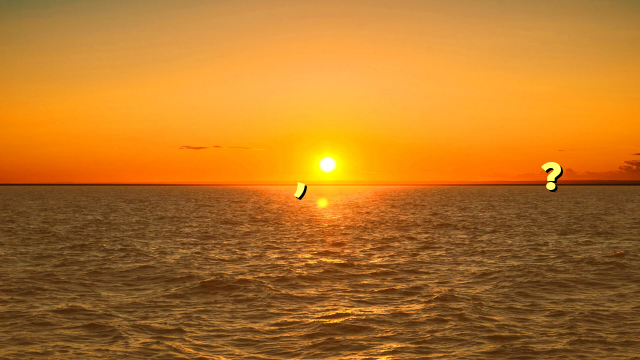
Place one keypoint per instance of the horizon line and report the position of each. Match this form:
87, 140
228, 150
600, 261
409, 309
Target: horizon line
294, 183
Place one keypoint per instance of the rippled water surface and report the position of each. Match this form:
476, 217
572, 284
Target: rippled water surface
197, 272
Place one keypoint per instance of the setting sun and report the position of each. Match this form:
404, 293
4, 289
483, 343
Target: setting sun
328, 164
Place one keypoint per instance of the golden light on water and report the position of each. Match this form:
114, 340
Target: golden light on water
322, 203
327, 164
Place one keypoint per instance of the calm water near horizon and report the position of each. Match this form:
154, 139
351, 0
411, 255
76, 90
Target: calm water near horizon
198, 272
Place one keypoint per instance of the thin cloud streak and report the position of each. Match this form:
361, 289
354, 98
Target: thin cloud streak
187, 147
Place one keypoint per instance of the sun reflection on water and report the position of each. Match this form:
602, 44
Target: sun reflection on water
323, 202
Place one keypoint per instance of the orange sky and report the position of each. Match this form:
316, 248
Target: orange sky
401, 91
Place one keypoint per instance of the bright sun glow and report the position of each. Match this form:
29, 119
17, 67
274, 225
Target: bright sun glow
322, 202
327, 164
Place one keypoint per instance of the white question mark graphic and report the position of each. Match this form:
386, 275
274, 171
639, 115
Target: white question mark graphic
553, 176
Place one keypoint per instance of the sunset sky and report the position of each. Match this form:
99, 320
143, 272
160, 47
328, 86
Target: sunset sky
260, 91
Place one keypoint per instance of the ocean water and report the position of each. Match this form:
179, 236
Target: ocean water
197, 272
